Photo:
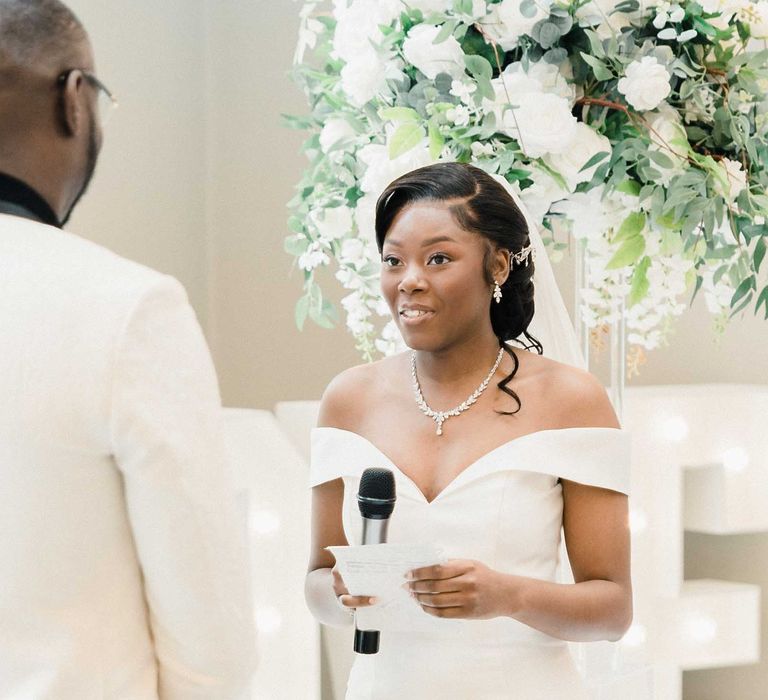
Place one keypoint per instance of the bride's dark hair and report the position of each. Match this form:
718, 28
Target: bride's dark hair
480, 205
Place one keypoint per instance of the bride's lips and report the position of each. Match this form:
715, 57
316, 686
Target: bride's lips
415, 314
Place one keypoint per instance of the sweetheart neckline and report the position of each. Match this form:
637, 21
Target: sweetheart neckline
472, 464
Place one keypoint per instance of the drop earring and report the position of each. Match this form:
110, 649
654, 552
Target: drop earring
497, 293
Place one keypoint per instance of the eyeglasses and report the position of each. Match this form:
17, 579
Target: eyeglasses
107, 102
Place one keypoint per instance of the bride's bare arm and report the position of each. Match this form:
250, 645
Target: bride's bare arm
326, 596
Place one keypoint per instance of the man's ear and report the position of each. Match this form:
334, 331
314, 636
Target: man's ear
71, 112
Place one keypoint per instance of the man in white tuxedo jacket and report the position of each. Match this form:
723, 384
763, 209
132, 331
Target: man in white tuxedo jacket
123, 566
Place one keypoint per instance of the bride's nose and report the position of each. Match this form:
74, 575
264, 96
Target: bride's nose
413, 280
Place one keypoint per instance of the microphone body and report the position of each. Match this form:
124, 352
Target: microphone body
376, 501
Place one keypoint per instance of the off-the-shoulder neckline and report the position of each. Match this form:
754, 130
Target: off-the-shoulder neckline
547, 432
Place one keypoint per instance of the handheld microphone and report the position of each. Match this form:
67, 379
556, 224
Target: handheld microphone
376, 500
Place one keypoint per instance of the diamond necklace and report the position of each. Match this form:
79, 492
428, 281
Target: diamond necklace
441, 416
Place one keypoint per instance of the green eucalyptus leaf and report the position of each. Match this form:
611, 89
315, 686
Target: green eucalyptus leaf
745, 287
302, 309
594, 160
447, 30
399, 114
628, 253
762, 299
436, 140
640, 284
479, 67
630, 227
600, 69
528, 8
759, 253
296, 245
406, 136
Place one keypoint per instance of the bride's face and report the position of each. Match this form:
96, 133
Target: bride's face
434, 279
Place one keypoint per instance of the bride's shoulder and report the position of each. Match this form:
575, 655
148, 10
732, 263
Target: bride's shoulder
576, 396
350, 392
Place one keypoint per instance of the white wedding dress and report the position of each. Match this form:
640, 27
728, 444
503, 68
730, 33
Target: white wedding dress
504, 510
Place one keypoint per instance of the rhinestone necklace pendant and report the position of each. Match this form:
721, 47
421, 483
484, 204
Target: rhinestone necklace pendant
441, 416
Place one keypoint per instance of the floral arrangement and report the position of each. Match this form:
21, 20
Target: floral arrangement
640, 129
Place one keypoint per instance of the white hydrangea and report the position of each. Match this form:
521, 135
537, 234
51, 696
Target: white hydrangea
429, 6
538, 197
333, 132
756, 15
586, 144
430, 58
591, 214
313, 257
358, 314
358, 25
332, 223
391, 341
645, 84
365, 76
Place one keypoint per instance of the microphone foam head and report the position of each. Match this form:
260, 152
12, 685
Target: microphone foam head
376, 495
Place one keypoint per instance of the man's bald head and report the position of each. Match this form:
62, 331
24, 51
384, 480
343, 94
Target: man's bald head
49, 135
39, 36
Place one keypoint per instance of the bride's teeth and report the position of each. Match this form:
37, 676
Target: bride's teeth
412, 313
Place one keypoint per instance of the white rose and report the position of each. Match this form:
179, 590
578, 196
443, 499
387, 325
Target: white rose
737, 178
586, 144
646, 83
364, 77
541, 123
506, 24
333, 131
430, 58
333, 223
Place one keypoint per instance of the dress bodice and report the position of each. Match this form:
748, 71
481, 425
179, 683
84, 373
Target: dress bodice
505, 509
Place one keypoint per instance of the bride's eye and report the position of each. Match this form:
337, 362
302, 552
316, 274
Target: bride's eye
390, 261
439, 259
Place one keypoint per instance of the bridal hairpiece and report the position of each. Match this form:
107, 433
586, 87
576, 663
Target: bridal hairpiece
522, 255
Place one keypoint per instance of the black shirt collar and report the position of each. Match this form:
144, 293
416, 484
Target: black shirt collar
19, 199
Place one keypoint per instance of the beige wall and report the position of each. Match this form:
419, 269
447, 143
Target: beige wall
194, 179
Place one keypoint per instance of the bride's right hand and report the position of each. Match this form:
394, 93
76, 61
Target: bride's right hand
349, 601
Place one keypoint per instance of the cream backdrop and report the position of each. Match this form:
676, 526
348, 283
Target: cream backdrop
193, 181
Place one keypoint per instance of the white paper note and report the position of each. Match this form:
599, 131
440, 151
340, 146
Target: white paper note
379, 570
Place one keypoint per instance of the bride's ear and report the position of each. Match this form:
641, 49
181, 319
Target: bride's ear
499, 265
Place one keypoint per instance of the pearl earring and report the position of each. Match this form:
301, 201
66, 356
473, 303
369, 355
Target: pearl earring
497, 293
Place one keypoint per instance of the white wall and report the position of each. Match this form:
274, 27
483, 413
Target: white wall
195, 174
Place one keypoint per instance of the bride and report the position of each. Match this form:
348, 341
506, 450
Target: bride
495, 446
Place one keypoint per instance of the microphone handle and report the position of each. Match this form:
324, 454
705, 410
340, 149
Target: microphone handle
374, 532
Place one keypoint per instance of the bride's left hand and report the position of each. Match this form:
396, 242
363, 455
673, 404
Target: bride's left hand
463, 588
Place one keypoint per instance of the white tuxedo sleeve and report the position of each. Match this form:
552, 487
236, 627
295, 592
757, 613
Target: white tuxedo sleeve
187, 521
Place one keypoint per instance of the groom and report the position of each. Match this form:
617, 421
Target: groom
123, 567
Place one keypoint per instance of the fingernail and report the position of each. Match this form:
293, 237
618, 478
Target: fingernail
373, 600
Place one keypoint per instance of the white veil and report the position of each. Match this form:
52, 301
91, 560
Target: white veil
551, 324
